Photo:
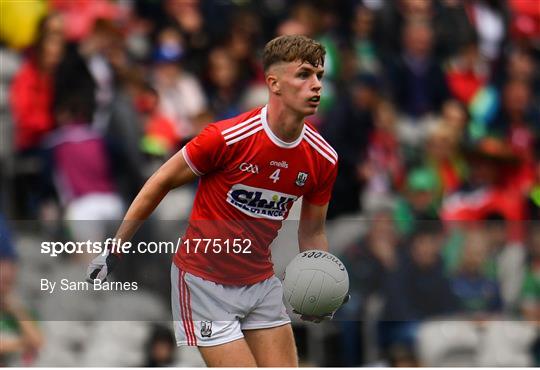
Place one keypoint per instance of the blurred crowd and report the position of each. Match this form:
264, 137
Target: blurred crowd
432, 105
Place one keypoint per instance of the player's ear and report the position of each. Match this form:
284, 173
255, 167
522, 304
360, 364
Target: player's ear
272, 81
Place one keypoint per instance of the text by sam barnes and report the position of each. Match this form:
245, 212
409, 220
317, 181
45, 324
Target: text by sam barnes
76, 286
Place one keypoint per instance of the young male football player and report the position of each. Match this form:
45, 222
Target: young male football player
225, 297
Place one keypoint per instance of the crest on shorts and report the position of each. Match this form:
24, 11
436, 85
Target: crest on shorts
206, 329
301, 178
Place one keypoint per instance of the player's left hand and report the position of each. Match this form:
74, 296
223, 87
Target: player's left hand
324, 317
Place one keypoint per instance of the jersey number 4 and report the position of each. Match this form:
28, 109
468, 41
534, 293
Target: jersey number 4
275, 175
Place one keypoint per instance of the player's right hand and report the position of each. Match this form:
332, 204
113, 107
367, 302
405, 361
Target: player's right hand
101, 267
315, 319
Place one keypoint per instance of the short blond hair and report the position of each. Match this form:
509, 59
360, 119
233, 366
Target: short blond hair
290, 48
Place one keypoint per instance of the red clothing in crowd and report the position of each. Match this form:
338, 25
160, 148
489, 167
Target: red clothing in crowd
80, 16
450, 175
465, 84
525, 22
31, 98
384, 154
479, 204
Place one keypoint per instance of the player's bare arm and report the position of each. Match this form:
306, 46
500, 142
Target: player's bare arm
311, 231
172, 174
312, 235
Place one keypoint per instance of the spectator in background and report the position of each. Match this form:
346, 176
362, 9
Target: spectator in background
369, 263
453, 28
185, 17
95, 49
80, 163
223, 86
371, 259
81, 16
181, 96
118, 121
518, 124
137, 34
383, 169
20, 337
443, 157
489, 189
348, 127
420, 201
392, 18
31, 99
160, 348
125, 132
467, 73
291, 27
478, 294
454, 114
31, 92
520, 65
517, 112
417, 290
417, 82
490, 186
160, 136
318, 20
364, 47
242, 41
505, 256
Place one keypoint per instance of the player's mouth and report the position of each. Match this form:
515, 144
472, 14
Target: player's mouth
315, 99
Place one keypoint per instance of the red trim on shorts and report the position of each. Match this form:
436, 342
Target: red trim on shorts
189, 335
188, 305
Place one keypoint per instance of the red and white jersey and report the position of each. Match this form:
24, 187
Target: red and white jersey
249, 180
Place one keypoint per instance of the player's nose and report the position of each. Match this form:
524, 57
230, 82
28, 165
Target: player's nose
316, 84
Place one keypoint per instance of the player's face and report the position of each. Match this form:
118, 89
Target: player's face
300, 86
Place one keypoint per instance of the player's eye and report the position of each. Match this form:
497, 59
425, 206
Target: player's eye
303, 75
319, 76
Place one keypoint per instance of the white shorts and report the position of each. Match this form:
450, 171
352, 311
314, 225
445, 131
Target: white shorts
208, 314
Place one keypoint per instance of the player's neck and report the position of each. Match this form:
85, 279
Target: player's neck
285, 124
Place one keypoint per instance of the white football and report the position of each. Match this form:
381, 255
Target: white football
315, 283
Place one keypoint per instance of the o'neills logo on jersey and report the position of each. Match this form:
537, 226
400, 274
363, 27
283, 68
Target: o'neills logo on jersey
281, 164
260, 203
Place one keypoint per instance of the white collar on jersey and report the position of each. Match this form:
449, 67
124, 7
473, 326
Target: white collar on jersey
276, 140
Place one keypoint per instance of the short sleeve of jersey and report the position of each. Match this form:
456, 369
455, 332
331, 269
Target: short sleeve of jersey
322, 193
205, 152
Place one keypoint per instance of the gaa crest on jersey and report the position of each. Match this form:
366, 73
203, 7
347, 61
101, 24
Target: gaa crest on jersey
206, 328
301, 178
248, 167
260, 203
